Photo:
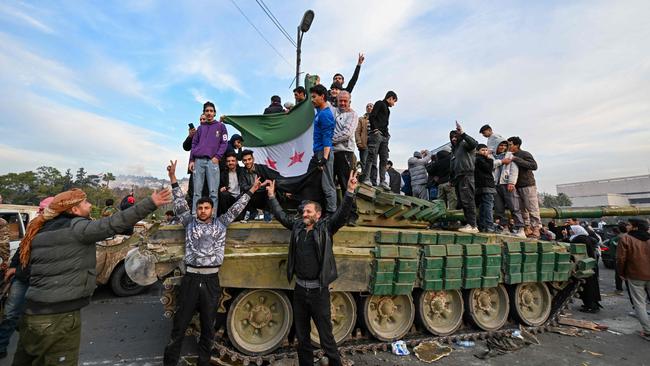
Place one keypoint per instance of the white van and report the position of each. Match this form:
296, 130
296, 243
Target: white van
17, 217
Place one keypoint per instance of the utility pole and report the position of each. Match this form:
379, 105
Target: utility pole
304, 26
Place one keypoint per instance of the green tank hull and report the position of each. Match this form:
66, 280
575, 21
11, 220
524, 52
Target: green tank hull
394, 272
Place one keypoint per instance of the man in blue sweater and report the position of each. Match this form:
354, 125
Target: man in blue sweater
209, 145
324, 124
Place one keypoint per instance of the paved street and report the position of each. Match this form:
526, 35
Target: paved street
132, 331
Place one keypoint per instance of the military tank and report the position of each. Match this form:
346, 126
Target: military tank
398, 279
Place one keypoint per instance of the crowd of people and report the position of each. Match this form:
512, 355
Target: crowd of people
53, 270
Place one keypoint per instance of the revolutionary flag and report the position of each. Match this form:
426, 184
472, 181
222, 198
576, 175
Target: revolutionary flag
281, 141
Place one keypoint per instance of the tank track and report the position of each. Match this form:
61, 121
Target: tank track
362, 344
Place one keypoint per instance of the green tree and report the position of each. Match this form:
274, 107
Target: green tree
108, 177
80, 178
67, 181
19, 188
548, 200
50, 181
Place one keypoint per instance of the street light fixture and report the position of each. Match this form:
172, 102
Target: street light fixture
304, 26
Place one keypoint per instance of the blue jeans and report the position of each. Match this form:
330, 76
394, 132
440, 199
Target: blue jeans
433, 193
14, 308
205, 168
485, 206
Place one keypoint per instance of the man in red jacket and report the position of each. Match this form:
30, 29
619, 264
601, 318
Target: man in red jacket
633, 265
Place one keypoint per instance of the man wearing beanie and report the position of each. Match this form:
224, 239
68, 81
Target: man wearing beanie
59, 248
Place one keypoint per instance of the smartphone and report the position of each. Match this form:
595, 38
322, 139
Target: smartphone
191, 126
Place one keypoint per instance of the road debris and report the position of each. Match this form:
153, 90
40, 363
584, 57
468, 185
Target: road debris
399, 348
568, 331
584, 324
499, 346
431, 351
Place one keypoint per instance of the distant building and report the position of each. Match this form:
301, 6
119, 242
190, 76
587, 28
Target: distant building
622, 191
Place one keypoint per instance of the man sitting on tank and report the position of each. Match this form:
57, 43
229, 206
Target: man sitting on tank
205, 240
252, 171
311, 260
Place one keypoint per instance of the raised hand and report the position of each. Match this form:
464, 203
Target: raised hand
257, 184
352, 182
270, 187
162, 197
171, 169
362, 58
459, 128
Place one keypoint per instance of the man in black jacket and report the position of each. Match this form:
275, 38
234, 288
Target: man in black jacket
463, 156
378, 137
311, 260
440, 170
275, 107
249, 173
526, 186
338, 78
395, 178
485, 189
230, 183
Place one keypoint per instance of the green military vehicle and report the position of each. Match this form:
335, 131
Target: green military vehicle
398, 279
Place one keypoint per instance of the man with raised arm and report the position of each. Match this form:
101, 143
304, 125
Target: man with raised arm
59, 250
205, 239
311, 261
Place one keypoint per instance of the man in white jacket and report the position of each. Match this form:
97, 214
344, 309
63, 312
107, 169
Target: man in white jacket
505, 178
343, 139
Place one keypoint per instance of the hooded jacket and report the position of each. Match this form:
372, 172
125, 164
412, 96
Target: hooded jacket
463, 155
210, 140
441, 167
324, 229
417, 169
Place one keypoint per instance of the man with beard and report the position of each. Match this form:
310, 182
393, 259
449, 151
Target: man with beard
205, 240
633, 265
59, 248
311, 261
230, 181
463, 157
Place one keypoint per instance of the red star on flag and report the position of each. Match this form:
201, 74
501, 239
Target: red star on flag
296, 158
271, 163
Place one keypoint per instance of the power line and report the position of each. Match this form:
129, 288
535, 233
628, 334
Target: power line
260, 33
275, 21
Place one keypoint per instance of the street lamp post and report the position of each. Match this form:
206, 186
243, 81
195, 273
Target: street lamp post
304, 26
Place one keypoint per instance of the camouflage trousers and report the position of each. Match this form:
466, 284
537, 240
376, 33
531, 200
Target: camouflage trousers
49, 339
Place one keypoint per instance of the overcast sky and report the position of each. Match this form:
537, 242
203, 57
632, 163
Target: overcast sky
112, 85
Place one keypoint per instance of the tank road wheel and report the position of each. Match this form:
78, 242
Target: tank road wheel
488, 307
344, 317
388, 317
258, 321
531, 303
440, 312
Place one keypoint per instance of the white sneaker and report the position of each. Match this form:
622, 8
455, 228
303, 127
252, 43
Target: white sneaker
384, 186
469, 229
520, 233
367, 182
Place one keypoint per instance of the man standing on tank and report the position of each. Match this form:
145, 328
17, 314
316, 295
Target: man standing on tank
378, 137
463, 158
311, 261
205, 240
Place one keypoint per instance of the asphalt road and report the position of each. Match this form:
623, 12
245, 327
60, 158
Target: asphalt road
132, 331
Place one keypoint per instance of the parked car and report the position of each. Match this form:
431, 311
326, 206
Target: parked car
110, 253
